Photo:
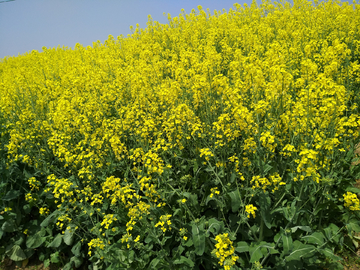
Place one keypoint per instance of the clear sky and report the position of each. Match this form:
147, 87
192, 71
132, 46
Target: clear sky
27, 25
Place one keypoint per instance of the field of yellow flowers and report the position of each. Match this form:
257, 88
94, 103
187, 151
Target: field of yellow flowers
218, 141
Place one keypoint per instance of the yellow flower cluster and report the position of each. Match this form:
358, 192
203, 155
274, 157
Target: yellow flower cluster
94, 243
250, 209
108, 220
207, 153
34, 184
262, 182
164, 222
351, 201
44, 211
214, 191
225, 251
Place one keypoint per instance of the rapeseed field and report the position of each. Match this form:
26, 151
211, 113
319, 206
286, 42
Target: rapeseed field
218, 141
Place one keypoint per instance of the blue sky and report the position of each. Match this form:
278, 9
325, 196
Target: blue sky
27, 25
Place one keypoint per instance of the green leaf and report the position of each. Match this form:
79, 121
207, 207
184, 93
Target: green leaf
267, 168
11, 194
300, 250
265, 204
49, 219
68, 236
77, 261
154, 263
184, 260
235, 200
353, 189
315, 238
67, 266
57, 241
304, 228
54, 258
76, 249
255, 253
189, 243
214, 226
27, 208
287, 243
46, 263
16, 254
242, 247
353, 225
8, 226
232, 177
208, 199
331, 230
35, 240
198, 236
330, 254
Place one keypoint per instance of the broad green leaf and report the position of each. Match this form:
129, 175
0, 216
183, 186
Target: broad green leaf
235, 200
293, 211
214, 226
54, 258
242, 247
353, 225
315, 238
193, 199
35, 240
1, 217
49, 219
67, 266
76, 249
46, 263
16, 254
331, 231
304, 228
77, 261
184, 260
57, 241
68, 236
300, 250
131, 256
8, 226
353, 190
11, 194
27, 208
208, 199
287, 243
189, 243
265, 204
267, 168
198, 236
256, 253
149, 238
330, 254
232, 177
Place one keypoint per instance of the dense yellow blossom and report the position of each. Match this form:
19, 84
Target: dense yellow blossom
351, 201
225, 251
238, 97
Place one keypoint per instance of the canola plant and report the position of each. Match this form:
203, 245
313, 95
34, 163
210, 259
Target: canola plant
220, 140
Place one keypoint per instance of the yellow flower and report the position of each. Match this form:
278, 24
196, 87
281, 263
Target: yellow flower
351, 201
250, 209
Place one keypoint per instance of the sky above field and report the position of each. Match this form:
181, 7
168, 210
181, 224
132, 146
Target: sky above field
27, 25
